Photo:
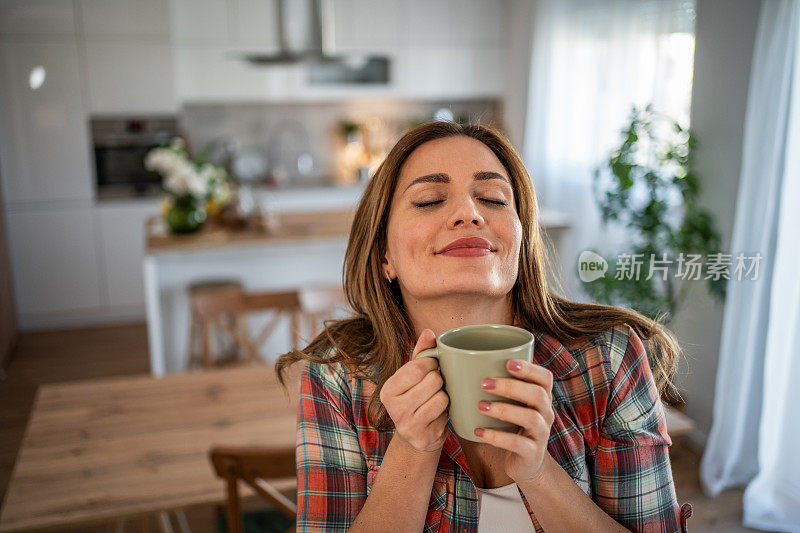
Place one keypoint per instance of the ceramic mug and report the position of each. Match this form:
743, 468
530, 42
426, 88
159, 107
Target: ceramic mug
466, 356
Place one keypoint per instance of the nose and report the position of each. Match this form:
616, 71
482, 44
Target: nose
465, 212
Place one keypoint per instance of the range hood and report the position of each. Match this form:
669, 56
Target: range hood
314, 19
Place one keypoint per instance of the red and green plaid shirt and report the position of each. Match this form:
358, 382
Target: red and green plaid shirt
609, 435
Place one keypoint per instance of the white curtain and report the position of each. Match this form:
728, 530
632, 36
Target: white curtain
754, 436
592, 60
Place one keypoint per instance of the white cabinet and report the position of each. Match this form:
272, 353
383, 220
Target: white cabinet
42, 18
129, 56
44, 143
360, 23
53, 262
120, 229
130, 77
218, 73
126, 19
255, 23
201, 21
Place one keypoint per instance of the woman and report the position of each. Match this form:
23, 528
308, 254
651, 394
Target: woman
375, 449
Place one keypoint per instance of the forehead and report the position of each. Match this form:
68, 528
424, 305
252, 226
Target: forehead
457, 156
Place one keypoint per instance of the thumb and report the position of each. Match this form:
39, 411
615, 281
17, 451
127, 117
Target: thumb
427, 339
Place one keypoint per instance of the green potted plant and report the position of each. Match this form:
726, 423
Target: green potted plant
648, 185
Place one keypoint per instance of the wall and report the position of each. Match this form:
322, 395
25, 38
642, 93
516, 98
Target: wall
724, 39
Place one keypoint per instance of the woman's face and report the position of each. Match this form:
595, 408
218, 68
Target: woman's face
449, 189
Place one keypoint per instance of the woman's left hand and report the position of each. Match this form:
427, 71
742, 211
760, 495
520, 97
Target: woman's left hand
532, 385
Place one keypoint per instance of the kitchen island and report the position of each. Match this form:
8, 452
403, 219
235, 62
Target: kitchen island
306, 248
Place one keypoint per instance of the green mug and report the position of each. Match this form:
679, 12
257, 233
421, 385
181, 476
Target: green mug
466, 356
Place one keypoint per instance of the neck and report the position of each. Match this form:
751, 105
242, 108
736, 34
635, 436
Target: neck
443, 313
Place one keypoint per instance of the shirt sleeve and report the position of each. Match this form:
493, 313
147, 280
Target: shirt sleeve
331, 471
632, 472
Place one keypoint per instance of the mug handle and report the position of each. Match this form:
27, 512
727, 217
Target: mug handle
430, 352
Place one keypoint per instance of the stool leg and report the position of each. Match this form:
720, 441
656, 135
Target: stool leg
234, 507
163, 521
208, 361
243, 332
295, 329
192, 358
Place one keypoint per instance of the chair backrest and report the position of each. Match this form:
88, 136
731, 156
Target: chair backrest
212, 307
314, 303
256, 467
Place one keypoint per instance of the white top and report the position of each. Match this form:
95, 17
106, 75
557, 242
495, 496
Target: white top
502, 509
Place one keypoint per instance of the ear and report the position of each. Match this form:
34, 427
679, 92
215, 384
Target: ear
387, 268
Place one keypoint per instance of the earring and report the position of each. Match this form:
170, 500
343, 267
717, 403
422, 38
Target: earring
388, 277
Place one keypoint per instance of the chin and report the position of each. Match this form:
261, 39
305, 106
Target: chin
470, 286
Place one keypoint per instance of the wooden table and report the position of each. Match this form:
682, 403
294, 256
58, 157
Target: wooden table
102, 450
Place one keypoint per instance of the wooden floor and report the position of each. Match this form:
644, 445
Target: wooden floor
49, 357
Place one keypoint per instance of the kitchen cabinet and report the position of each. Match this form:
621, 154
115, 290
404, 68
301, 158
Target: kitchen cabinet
215, 73
201, 21
122, 19
119, 226
41, 18
255, 23
54, 262
44, 141
384, 28
130, 77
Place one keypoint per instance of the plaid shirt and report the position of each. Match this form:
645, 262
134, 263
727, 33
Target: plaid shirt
609, 435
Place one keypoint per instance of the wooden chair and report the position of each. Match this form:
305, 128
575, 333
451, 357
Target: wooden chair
225, 308
258, 468
213, 310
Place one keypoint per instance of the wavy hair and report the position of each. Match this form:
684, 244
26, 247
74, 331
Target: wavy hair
372, 341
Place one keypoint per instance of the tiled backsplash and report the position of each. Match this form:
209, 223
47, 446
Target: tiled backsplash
315, 129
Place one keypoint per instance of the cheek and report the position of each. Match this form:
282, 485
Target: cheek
510, 231
409, 239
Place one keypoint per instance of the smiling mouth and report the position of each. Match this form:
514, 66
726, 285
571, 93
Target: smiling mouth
475, 244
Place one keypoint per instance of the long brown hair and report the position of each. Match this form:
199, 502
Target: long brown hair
372, 343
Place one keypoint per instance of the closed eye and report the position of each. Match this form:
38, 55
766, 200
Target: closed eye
486, 200
496, 202
426, 204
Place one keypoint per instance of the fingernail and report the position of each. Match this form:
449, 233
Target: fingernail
479, 432
487, 383
483, 405
514, 365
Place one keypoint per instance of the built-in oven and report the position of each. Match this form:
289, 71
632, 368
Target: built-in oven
120, 147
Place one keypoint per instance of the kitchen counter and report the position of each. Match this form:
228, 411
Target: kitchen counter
289, 226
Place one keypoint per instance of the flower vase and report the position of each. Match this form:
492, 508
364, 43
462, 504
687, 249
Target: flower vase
186, 214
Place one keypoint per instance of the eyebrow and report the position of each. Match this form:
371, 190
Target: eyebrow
441, 177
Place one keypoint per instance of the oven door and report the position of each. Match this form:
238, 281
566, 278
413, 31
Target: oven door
121, 168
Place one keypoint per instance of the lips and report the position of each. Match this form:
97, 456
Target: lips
469, 242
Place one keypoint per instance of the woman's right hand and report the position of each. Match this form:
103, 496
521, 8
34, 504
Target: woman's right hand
414, 398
